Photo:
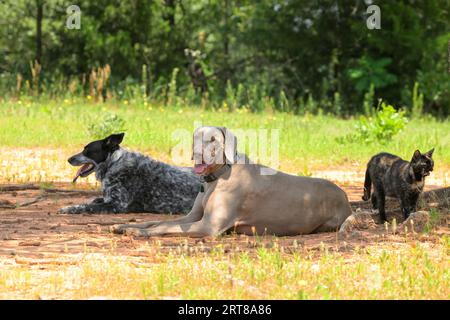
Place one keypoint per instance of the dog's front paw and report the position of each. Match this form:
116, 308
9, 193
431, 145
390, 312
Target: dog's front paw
135, 232
98, 201
70, 210
118, 228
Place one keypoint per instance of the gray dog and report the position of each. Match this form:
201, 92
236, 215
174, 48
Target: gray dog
132, 182
249, 198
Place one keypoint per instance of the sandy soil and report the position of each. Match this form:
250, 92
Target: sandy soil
33, 230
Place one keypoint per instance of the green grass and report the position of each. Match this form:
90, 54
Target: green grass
303, 139
413, 270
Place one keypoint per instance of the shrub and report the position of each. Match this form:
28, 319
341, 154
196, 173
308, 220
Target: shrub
370, 71
385, 124
109, 124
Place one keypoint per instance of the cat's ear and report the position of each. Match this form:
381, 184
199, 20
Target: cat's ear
430, 153
416, 155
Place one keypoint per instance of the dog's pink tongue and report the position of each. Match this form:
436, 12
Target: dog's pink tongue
200, 168
80, 171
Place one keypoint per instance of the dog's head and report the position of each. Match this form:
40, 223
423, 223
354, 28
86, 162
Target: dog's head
212, 148
422, 164
95, 153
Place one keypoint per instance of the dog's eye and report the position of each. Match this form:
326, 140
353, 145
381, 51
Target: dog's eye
213, 139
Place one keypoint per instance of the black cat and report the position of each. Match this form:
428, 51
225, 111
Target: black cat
394, 177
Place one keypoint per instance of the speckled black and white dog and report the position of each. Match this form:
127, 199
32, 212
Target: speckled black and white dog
132, 182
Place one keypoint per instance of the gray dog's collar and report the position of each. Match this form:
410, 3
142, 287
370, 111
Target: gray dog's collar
216, 174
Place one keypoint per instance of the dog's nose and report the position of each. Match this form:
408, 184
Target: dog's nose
70, 160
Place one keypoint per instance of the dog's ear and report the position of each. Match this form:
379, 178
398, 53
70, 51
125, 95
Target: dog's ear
114, 140
430, 153
196, 147
230, 145
193, 145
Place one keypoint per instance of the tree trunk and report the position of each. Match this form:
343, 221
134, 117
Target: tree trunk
171, 15
226, 42
39, 16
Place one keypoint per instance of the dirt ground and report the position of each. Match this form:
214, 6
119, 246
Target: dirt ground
31, 231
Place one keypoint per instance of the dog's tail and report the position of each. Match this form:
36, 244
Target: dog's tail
367, 185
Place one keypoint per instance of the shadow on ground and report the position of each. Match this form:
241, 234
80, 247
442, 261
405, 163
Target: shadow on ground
30, 228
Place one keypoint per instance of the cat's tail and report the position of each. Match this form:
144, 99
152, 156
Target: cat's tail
367, 185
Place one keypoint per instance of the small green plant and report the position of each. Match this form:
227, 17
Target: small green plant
337, 104
306, 172
231, 96
284, 102
172, 90
368, 101
109, 124
36, 69
311, 105
144, 83
386, 123
417, 102
46, 185
435, 220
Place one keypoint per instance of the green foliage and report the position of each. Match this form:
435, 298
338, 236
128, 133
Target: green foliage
110, 123
285, 104
260, 47
436, 218
386, 123
307, 139
306, 172
417, 102
172, 90
311, 105
144, 82
337, 104
231, 97
368, 101
433, 75
370, 72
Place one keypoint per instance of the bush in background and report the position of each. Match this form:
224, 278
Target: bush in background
110, 123
381, 128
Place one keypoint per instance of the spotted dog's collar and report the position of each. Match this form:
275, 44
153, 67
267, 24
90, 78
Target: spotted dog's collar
216, 174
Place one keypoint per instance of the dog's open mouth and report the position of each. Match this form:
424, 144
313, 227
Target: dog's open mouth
200, 168
85, 170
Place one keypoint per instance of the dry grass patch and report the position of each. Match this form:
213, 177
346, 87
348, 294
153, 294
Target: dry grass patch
411, 270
